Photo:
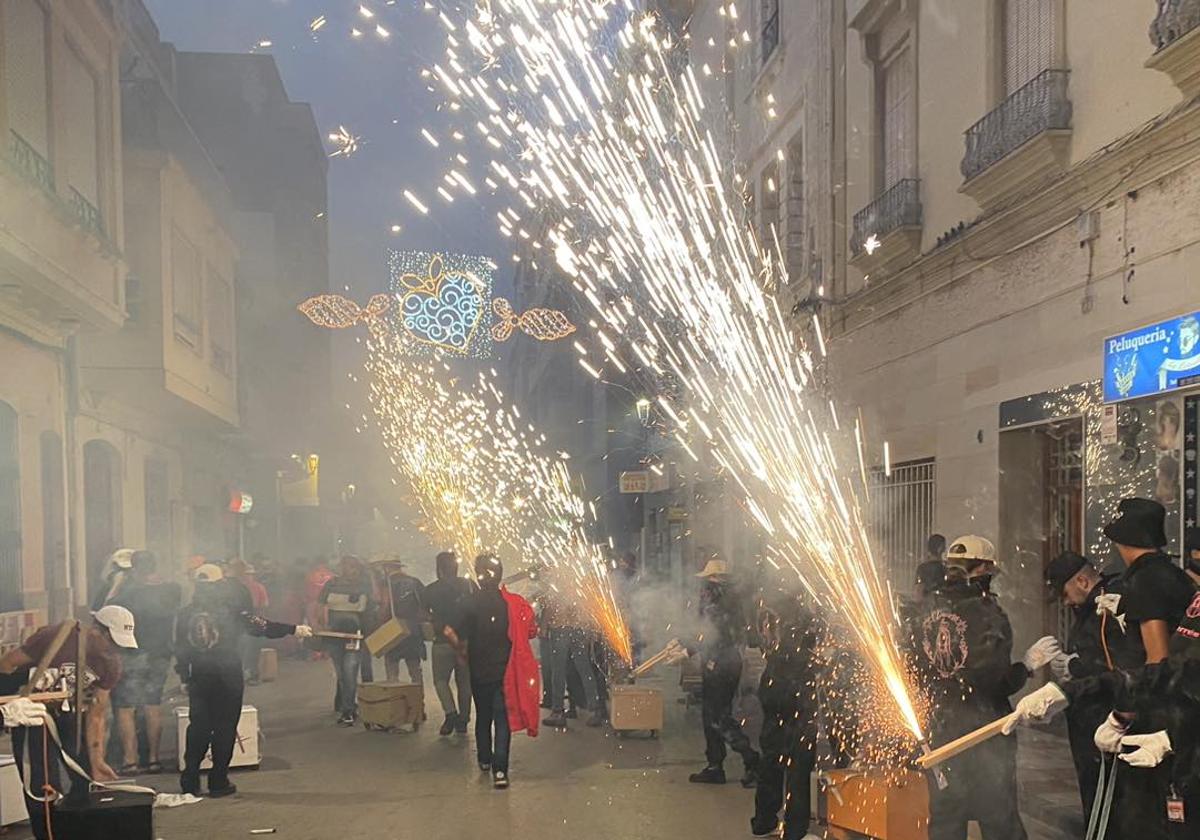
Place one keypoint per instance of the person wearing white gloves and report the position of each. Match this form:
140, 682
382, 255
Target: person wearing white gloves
1086, 672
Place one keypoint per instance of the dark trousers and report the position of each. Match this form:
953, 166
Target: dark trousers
214, 709
718, 688
982, 787
1082, 721
493, 737
40, 774
789, 754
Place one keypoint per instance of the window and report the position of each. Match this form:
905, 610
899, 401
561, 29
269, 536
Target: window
220, 322
186, 289
26, 91
79, 145
10, 511
897, 118
1030, 41
770, 207
770, 28
796, 221
902, 515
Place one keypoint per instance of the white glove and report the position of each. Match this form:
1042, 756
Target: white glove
1151, 749
303, 631
1041, 652
23, 712
1060, 666
1040, 706
1109, 734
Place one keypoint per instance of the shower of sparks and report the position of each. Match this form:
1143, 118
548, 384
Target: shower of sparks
483, 478
345, 143
599, 129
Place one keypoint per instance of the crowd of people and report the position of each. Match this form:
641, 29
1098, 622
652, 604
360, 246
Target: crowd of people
1126, 673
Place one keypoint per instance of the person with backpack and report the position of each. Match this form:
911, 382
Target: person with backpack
208, 657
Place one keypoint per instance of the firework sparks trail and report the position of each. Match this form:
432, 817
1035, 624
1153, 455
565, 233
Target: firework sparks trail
483, 479
609, 141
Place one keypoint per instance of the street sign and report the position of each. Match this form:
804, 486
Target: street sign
635, 481
1152, 360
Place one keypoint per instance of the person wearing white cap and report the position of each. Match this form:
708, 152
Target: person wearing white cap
112, 628
116, 572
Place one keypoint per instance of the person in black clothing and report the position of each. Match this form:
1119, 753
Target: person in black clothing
479, 634
1097, 645
208, 656
964, 654
407, 604
443, 597
791, 633
721, 670
154, 605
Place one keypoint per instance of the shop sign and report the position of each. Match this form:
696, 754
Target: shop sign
1152, 360
635, 481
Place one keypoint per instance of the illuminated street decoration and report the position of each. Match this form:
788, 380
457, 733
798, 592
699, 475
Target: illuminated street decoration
338, 313
542, 324
442, 303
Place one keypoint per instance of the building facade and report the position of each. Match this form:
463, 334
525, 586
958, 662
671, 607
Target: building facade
123, 417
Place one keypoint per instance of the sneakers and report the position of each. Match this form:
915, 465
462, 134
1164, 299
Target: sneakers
227, 789
346, 719
595, 720
485, 766
761, 830
460, 725
189, 784
499, 780
557, 720
448, 726
710, 775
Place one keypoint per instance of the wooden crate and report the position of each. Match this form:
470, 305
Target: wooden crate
636, 709
867, 804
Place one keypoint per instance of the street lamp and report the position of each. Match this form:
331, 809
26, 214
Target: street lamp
643, 410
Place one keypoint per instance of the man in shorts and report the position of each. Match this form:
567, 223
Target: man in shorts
154, 605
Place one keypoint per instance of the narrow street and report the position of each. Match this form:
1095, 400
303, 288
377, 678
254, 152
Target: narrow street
319, 781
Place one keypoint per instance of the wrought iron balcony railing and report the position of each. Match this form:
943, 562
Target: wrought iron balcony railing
29, 162
87, 213
898, 207
1175, 19
1041, 105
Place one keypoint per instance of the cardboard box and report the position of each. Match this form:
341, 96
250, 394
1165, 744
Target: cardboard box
634, 708
389, 634
268, 664
866, 803
245, 750
384, 705
12, 798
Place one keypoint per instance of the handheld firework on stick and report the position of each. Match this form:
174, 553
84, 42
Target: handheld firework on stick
674, 651
932, 758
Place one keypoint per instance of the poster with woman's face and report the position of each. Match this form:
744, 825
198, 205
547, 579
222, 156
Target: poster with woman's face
1168, 439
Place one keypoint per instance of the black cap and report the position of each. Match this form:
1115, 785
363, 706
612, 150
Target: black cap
1140, 523
1064, 567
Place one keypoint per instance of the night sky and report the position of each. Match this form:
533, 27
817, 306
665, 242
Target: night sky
374, 88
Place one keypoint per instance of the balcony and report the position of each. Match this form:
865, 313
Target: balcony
30, 163
1021, 142
887, 232
1175, 34
86, 212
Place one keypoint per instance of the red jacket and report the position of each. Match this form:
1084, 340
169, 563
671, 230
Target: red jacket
522, 679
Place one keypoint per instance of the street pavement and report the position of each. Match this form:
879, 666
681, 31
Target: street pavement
320, 781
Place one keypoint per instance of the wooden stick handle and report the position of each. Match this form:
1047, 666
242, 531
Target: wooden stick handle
38, 697
334, 634
966, 742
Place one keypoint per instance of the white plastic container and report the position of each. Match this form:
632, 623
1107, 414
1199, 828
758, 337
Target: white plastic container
245, 749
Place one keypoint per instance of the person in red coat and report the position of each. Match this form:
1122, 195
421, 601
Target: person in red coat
491, 634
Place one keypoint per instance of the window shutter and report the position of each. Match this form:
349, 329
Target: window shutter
25, 72
1030, 41
80, 143
899, 148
